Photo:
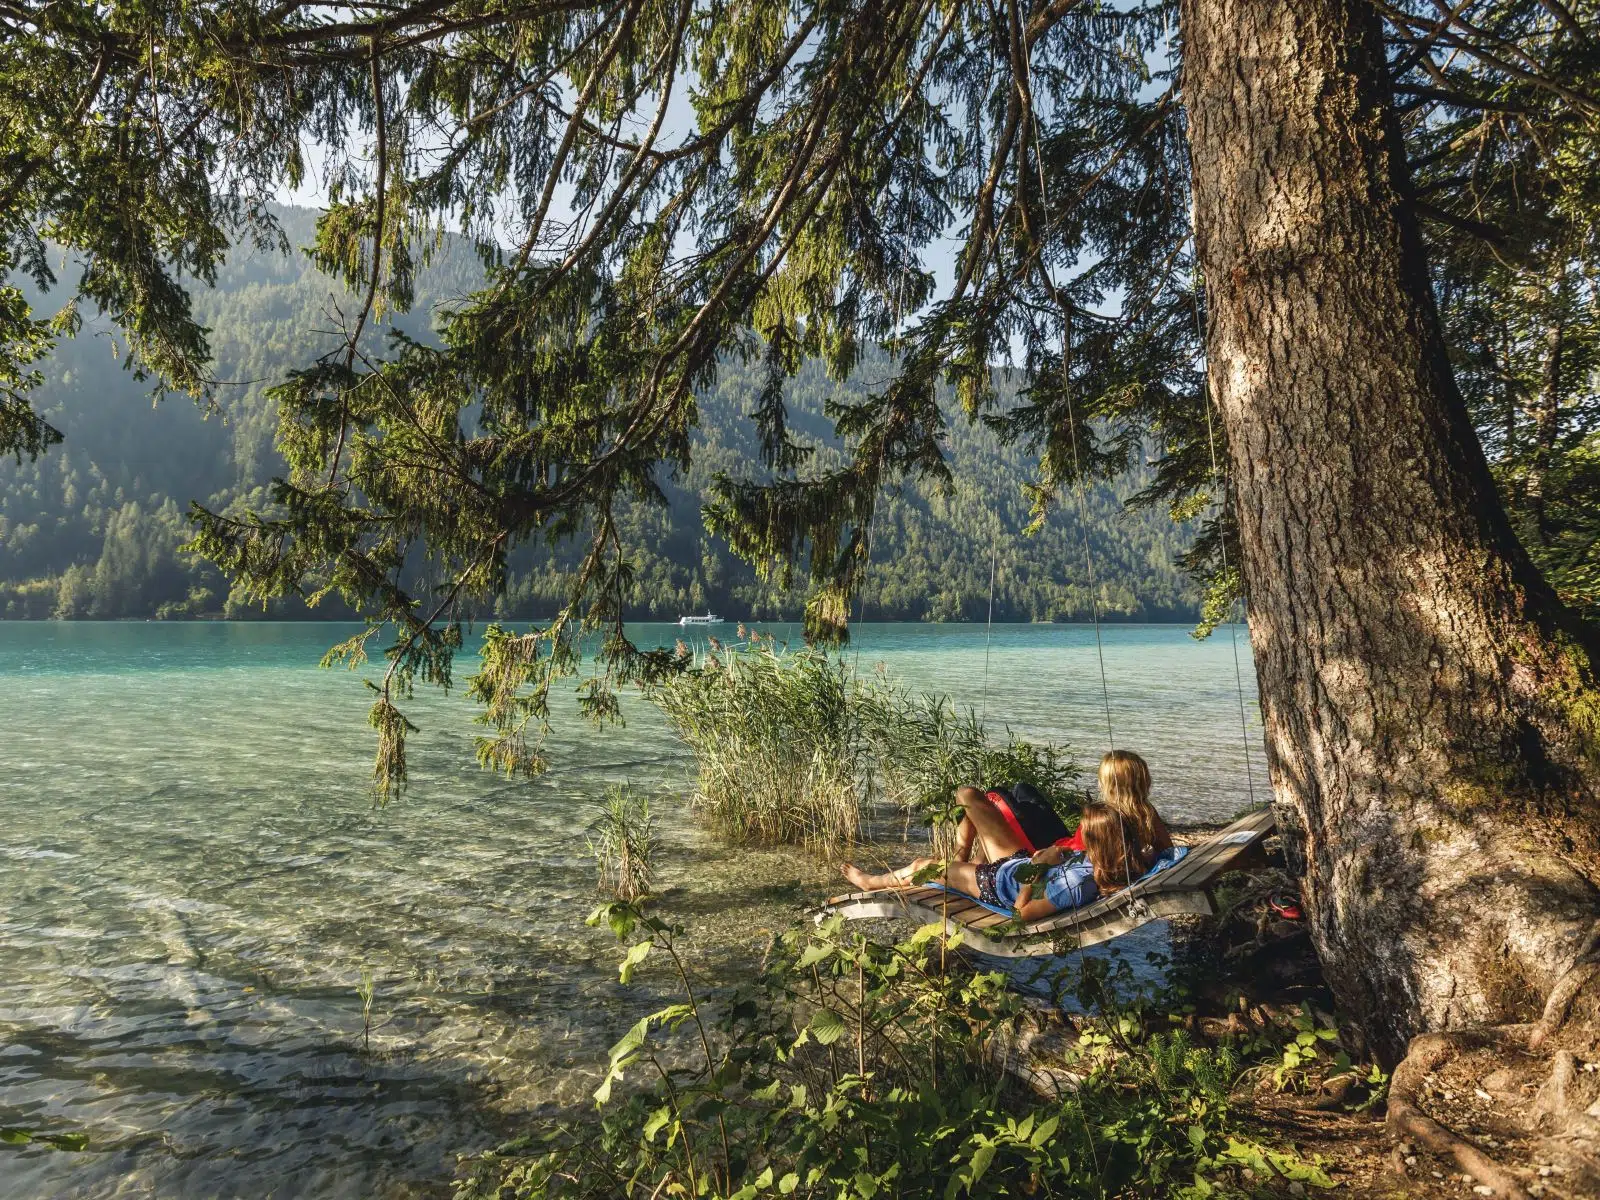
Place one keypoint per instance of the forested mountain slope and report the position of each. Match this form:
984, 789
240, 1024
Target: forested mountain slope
92, 528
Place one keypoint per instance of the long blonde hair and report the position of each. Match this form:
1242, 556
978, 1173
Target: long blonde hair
1113, 847
1125, 786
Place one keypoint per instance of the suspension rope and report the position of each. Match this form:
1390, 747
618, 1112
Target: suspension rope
899, 320
1218, 485
988, 629
1222, 542
1072, 420
1088, 552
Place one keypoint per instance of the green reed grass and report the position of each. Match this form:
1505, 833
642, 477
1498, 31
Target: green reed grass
777, 742
623, 841
796, 747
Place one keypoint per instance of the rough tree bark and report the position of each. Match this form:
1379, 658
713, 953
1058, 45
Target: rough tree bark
1431, 713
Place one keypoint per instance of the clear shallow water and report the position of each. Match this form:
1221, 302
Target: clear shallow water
192, 883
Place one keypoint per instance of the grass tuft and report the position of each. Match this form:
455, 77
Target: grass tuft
623, 841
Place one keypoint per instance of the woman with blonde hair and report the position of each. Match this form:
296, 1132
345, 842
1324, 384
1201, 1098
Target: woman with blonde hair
1125, 786
1113, 861
1125, 789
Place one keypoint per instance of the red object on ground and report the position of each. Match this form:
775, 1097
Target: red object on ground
1286, 906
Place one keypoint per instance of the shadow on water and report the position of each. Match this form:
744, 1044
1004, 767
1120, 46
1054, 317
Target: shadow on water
193, 886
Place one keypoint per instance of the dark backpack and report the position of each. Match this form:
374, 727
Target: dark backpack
1031, 813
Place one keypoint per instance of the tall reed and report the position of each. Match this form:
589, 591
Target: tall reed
777, 743
623, 841
795, 747
923, 746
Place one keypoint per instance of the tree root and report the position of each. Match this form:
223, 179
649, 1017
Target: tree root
1406, 1118
1559, 1003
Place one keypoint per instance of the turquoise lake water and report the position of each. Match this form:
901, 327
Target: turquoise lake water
193, 883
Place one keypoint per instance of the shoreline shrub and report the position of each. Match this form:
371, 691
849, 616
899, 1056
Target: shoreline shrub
858, 1070
777, 743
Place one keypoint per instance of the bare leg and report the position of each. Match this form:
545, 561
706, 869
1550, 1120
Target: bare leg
966, 833
994, 835
961, 876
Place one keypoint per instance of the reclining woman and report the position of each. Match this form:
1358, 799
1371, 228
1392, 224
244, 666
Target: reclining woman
1021, 810
1071, 879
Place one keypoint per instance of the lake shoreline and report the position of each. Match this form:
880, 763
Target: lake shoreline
197, 894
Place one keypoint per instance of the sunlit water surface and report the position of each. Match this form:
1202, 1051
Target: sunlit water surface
193, 885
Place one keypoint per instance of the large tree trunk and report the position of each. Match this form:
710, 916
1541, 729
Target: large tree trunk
1431, 715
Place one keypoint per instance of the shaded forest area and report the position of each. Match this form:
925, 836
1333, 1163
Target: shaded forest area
93, 529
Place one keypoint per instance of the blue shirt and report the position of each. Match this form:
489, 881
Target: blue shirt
1069, 885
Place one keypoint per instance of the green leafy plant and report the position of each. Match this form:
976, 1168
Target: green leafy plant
366, 989
1309, 1038
854, 1069
12, 1135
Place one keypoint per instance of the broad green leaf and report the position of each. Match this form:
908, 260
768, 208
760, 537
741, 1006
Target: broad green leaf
1046, 1131
636, 955
632, 1040
931, 871
815, 953
827, 1026
979, 1166
657, 1120
602, 1094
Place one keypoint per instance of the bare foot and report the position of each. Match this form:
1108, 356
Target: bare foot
857, 876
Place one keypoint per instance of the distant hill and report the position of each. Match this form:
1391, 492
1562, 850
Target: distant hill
92, 528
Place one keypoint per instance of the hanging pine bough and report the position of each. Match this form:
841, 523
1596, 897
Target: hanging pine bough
827, 148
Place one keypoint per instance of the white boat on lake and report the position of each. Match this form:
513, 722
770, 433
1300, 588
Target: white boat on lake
708, 619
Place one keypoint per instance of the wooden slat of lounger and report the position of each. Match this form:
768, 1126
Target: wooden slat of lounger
1125, 919
1213, 856
962, 910
957, 908
984, 919
1210, 858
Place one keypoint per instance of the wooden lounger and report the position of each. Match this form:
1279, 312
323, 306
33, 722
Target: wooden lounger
1184, 887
